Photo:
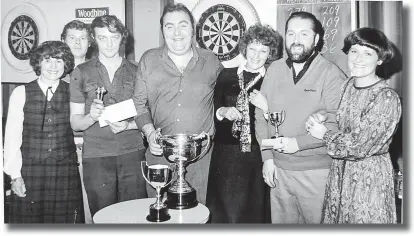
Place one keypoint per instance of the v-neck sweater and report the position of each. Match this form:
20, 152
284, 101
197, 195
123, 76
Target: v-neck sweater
318, 89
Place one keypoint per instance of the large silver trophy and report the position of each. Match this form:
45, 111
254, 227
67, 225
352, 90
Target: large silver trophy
158, 176
276, 119
182, 149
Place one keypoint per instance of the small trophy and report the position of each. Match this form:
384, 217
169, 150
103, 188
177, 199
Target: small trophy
276, 119
182, 149
100, 91
158, 176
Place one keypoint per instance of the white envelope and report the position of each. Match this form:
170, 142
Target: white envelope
267, 144
118, 112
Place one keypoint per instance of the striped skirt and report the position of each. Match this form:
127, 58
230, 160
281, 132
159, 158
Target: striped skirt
53, 193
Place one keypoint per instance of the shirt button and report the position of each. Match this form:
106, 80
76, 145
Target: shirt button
49, 120
49, 150
49, 106
49, 135
179, 105
178, 119
181, 90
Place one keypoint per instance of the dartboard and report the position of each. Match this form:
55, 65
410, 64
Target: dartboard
219, 29
23, 37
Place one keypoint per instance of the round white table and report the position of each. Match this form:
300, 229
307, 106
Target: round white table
136, 211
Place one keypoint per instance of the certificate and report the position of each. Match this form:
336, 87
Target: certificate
118, 112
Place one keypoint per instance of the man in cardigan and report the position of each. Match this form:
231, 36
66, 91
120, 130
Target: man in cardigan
301, 84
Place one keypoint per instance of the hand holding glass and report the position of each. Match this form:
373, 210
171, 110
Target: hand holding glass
276, 119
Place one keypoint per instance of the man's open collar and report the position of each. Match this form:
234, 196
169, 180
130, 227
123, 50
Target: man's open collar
289, 61
196, 54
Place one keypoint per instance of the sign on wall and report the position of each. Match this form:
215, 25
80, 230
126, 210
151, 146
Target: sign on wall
86, 15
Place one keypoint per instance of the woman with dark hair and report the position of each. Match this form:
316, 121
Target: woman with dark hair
39, 150
360, 186
236, 191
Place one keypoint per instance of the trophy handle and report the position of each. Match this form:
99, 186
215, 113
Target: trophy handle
172, 177
206, 148
143, 174
283, 116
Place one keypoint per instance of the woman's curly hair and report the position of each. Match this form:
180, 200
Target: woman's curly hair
54, 49
265, 35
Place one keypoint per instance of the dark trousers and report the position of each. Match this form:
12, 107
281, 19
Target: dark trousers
113, 179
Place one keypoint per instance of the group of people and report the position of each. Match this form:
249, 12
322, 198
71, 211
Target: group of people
330, 164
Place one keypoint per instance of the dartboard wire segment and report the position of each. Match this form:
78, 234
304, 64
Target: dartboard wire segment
219, 29
22, 37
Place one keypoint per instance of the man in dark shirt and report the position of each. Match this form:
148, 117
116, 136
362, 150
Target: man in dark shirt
111, 155
174, 91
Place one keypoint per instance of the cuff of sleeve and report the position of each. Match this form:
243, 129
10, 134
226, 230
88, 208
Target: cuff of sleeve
327, 136
307, 142
16, 174
266, 115
219, 117
142, 120
267, 155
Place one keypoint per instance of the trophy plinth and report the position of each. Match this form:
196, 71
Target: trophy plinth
157, 176
276, 119
182, 149
158, 215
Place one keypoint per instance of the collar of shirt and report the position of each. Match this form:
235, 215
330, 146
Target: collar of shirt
297, 77
98, 63
44, 87
164, 52
243, 67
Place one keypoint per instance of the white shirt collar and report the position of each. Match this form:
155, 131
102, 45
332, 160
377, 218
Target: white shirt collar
44, 87
243, 66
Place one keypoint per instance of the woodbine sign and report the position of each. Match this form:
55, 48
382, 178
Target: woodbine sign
88, 14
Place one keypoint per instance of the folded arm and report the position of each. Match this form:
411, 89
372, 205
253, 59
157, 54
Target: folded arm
377, 126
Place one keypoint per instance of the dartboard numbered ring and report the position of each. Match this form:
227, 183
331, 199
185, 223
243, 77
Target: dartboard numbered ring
23, 37
26, 27
220, 27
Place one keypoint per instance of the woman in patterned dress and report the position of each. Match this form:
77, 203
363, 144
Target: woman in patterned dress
39, 150
360, 186
236, 192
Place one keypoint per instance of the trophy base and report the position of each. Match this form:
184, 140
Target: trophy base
158, 215
181, 200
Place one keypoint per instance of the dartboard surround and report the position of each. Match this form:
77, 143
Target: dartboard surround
23, 37
219, 29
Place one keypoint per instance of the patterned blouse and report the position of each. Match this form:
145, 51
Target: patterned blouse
360, 187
